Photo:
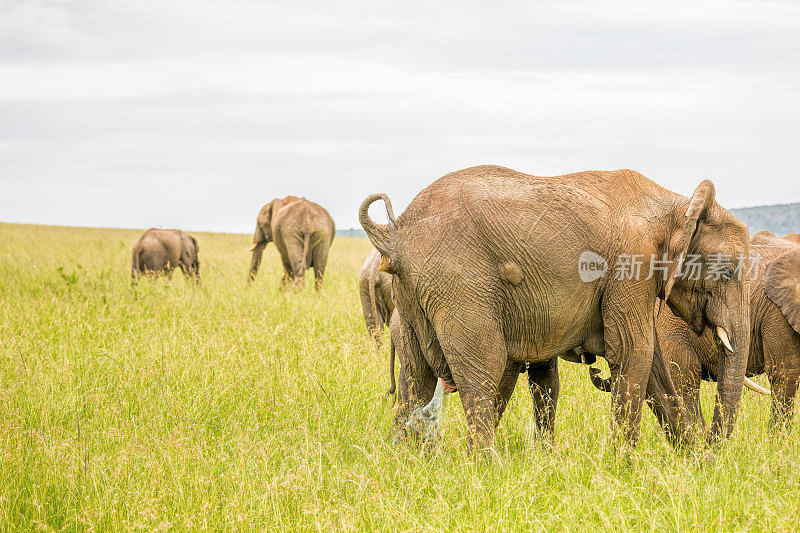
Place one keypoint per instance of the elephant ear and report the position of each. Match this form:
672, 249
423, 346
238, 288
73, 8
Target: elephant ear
258, 235
264, 220
782, 285
699, 204
265, 216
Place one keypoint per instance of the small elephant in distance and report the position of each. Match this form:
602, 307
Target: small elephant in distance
160, 251
302, 231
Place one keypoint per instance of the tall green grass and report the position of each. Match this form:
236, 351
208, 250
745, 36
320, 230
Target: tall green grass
228, 405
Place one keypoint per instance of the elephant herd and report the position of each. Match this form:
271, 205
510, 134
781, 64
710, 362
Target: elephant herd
302, 231
490, 273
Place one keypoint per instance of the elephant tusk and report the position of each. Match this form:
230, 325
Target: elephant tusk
253, 247
723, 336
752, 385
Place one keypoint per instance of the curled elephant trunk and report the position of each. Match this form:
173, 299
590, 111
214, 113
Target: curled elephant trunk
600, 383
733, 353
663, 400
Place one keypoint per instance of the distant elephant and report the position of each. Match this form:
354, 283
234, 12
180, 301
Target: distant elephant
160, 251
375, 290
486, 279
774, 336
303, 232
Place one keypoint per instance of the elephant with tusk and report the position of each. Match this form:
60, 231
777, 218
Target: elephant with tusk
302, 231
485, 264
775, 335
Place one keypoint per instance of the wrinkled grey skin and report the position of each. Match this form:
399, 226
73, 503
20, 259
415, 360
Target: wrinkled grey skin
484, 265
424, 422
774, 337
302, 231
375, 292
160, 251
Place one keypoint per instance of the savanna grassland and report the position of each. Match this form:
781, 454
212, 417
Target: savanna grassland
228, 405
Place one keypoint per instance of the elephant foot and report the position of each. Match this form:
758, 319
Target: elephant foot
424, 421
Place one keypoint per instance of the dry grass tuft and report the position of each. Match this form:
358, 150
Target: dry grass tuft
227, 405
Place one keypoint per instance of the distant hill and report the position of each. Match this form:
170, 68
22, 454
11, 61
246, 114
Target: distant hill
780, 219
351, 232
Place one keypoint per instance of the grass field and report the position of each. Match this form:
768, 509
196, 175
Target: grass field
167, 406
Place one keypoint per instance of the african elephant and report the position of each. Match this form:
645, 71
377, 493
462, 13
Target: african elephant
485, 265
159, 251
375, 290
774, 334
303, 232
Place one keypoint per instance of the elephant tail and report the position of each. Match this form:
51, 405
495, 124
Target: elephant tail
383, 236
306, 244
373, 307
392, 384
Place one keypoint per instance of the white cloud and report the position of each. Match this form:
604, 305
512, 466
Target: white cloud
193, 114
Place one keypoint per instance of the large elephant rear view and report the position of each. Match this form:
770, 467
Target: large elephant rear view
488, 268
303, 232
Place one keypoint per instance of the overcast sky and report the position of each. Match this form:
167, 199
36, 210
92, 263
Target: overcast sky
194, 113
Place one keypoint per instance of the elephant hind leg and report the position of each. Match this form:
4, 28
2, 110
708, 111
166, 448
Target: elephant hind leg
319, 259
506, 388
298, 250
298, 272
476, 351
415, 381
782, 354
293, 263
288, 273
784, 391
544, 385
